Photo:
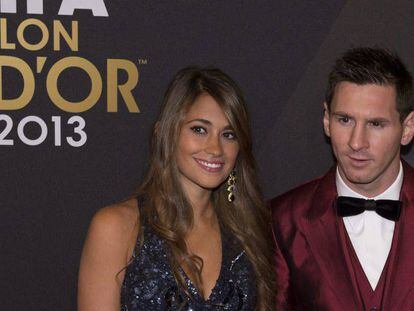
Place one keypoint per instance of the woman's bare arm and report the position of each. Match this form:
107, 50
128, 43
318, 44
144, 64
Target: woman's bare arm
107, 250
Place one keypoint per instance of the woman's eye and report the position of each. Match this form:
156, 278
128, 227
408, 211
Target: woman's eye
229, 135
198, 129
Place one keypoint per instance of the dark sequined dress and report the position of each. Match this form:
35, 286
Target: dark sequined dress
150, 285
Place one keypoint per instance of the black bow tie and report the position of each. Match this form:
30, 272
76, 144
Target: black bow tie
349, 206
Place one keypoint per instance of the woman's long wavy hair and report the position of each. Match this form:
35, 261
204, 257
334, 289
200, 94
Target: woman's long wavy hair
166, 207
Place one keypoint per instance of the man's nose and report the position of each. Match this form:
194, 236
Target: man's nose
358, 139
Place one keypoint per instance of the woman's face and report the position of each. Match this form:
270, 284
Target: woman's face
207, 146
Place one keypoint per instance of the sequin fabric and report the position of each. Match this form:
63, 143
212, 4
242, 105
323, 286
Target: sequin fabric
149, 283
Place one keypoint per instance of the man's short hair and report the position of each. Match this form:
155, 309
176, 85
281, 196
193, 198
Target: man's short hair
365, 65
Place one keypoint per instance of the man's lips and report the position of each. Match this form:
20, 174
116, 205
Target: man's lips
210, 166
359, 160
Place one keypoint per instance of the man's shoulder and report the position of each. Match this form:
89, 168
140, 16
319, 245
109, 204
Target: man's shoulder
408, 180
303, 189
295, 201
408, 170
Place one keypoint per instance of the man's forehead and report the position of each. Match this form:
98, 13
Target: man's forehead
364, 96
371, 86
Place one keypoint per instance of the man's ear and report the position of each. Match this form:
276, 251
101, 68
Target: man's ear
326, 120
408, 129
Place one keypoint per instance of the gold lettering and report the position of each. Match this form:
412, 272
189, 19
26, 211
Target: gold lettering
125, 89
28, 83
22, 40
71, 40
53, 91
3, 36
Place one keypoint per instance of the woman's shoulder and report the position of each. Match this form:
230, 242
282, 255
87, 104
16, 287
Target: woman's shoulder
122, 215
116, 225
107, 249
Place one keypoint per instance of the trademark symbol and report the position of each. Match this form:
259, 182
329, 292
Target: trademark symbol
142, 61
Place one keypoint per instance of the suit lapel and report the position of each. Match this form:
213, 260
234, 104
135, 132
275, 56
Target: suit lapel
401, 266
323, 235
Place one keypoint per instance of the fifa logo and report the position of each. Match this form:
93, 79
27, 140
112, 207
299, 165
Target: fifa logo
67, 7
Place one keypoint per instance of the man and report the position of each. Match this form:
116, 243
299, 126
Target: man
345, 241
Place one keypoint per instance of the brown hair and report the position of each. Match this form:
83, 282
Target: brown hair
166, 208
367, 65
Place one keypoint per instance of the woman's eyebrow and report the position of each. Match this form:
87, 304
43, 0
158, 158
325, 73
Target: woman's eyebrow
199, 120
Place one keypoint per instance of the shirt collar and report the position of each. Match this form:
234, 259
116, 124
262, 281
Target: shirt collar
391, 193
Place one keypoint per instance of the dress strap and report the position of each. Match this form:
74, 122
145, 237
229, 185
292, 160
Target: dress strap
140, 205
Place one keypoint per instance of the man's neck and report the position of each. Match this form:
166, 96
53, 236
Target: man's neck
389, 191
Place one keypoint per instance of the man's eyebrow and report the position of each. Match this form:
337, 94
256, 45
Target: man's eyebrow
378, 119
341, 114
371, 119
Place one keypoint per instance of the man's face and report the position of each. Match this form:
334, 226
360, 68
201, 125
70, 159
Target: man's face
366, 133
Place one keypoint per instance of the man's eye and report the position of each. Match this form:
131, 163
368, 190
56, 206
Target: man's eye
376, 124
343, 119
229, 135
198, 129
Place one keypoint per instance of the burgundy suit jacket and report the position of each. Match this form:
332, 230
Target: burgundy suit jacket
311, 267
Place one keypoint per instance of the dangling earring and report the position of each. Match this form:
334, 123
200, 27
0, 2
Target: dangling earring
231, 186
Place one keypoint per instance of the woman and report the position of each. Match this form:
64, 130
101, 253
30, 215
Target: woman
197, 236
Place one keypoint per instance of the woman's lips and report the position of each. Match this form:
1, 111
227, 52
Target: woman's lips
210, 166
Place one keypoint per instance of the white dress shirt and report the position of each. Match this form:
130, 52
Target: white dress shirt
370, 234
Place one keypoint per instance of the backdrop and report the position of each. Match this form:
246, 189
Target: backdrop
81, 82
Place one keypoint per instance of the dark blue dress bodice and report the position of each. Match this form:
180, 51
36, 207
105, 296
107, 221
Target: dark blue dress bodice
149, 283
